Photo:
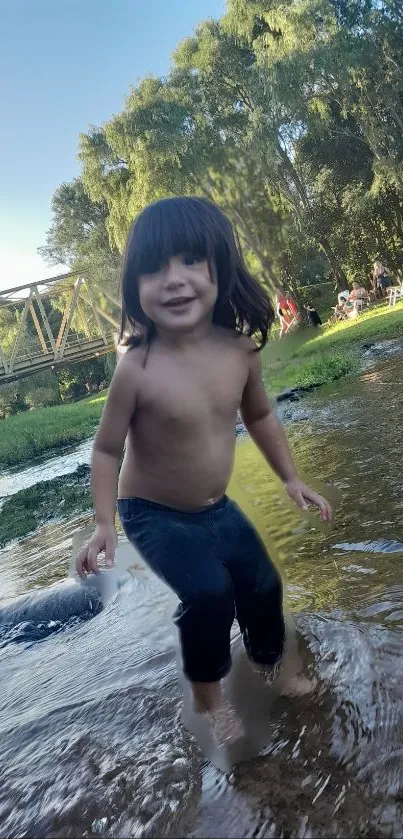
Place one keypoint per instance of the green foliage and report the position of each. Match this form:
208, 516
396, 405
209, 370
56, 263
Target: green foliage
312, 372
38, 432
289, 115
9, 322
12, 399
78, 236
317, 356
65, 383
76, 380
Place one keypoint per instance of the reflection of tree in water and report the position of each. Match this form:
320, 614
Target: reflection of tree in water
40, 559
343, 452
294, 542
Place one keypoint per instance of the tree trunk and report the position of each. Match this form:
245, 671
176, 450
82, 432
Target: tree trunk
247, 235
268, 270
339, 274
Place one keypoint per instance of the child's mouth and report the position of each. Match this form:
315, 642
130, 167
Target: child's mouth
178, 302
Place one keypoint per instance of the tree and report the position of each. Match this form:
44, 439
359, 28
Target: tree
78, 236
289, 115
338, 61
182, 135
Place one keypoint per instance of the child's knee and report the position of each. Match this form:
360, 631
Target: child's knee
269, 587
273, 589
213, 602
215, 598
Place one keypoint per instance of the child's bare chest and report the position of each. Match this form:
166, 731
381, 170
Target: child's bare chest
182, 395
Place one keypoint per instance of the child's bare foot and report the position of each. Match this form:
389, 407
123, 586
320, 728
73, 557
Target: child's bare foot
298, 685
267, 672
226, 727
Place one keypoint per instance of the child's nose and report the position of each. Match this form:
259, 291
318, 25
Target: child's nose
173, 276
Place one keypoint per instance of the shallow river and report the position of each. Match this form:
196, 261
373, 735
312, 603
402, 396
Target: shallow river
90, 732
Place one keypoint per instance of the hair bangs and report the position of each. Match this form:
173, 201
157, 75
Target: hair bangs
166, 229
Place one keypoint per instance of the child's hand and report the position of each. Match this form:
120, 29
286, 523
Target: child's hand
103, 539
303, 496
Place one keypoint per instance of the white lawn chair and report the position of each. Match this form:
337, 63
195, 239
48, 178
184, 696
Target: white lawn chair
395, 293
361, 304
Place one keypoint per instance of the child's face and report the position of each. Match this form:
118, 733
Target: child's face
181, 295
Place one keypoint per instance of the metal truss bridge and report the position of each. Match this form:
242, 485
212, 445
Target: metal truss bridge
63, 319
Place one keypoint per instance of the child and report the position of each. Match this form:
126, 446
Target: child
194, 314
286, 311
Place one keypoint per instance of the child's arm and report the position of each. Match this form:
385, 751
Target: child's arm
107, 450
267, 432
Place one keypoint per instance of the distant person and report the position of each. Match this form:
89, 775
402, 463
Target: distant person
339, 313
357, 298
284, 315
191, 307
312, 314
358, 292
381, 279
287, 311
343, 296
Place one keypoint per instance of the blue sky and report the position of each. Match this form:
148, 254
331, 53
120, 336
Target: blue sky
66, 64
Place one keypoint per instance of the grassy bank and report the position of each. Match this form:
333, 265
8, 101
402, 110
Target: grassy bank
37, 432
315, 357
28, 509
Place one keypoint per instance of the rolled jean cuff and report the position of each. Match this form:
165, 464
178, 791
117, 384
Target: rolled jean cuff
206, 674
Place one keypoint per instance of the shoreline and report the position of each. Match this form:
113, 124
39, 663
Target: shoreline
308, 358
47, 501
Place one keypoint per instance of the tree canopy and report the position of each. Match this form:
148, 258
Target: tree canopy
289, 115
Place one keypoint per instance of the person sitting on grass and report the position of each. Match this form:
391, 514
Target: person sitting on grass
339, 313
356, 299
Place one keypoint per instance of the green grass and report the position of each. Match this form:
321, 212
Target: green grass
313, 358
33, 433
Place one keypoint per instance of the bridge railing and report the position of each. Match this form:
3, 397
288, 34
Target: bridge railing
85, 329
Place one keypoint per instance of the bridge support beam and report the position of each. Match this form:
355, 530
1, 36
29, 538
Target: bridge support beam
92, 333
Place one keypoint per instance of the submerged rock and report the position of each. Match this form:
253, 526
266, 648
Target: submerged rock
294, 394
38, 614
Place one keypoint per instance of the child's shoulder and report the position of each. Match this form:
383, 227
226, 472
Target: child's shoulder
131, 362
235, 341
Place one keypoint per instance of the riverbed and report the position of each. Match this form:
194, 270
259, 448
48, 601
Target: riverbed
91, 738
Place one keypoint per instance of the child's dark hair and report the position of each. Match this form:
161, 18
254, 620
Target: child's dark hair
194, 226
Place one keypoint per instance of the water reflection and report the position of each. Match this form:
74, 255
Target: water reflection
43, 469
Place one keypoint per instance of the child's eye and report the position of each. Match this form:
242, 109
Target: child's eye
192, 259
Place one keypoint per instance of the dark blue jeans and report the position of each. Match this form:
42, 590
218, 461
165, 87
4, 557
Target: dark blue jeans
217, 564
